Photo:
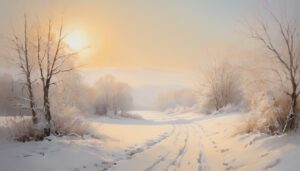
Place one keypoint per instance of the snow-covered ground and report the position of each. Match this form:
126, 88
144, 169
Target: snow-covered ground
159, 141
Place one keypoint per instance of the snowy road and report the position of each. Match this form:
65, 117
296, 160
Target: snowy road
180, 147
172, 152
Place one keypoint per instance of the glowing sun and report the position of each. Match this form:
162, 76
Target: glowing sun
76, 40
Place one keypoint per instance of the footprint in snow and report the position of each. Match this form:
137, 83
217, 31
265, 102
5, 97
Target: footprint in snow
225, 164
133, 152
106, 165
224, 150
235, 167
264, 155
27, 155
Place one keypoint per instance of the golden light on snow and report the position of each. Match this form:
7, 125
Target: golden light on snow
77, 40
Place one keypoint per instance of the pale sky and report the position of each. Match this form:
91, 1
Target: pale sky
159, 34
146, 42
164, 34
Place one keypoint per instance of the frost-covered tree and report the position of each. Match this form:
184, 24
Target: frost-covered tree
280, 38
220, 86
112, 96
25, 60
53, 58
42, 52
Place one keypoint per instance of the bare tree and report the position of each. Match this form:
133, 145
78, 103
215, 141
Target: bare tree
282, 42
26, 64
46, 49
53, 57
221, 85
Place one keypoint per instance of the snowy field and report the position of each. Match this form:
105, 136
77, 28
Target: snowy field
159, 141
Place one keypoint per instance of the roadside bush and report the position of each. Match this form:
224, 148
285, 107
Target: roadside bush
268, 112
21, 129
67, 123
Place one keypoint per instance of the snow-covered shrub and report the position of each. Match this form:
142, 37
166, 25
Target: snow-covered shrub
268, 112
112, 96
20, 129
69, 122
219, 87
183, 98
231, 109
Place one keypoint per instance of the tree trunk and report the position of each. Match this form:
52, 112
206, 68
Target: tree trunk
47, 129
290, 123
33, 113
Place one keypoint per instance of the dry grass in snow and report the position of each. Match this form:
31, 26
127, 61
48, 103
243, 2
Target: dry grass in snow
267, 113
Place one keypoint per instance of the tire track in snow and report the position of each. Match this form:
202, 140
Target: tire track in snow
174, 149
201, 160
201, 157
149, 143
151, 158
129, 152
163, 156
184, 150
190, 160
194, 158
160, 159
176, 152
180, 153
